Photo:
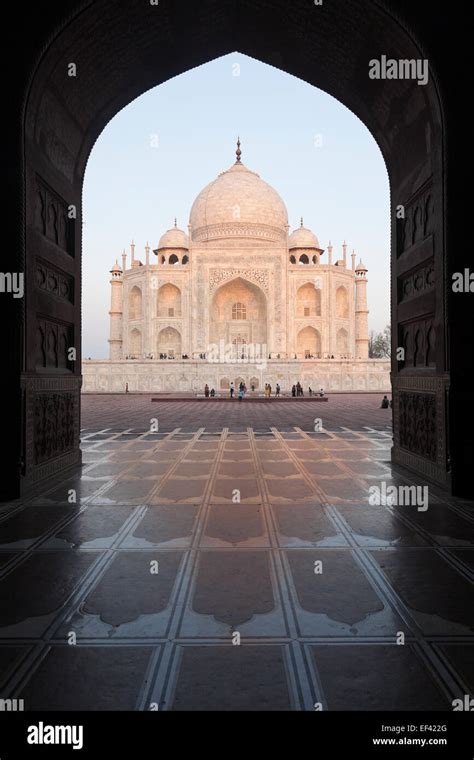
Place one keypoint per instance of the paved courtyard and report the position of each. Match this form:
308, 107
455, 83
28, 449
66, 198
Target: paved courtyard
232, 560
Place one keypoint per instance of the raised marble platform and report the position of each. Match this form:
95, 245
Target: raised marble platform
191, 375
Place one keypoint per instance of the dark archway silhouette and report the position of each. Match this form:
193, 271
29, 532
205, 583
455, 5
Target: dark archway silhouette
120, 51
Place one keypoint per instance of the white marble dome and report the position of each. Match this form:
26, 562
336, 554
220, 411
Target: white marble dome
238, 203
173, 238
302, 237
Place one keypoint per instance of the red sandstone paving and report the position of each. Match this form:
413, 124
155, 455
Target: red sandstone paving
131, 411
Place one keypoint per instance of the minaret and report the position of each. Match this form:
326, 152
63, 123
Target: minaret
344, 253
361, 312
115, 340
330, 253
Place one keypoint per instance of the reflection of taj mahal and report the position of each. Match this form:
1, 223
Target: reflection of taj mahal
237, 279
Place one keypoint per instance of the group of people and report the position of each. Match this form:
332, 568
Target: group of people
297, 390
267, 391
386, 404
242, 390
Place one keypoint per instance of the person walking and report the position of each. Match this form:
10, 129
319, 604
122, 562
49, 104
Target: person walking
241, 392
293, 391
206, 390
277, 390
232, 390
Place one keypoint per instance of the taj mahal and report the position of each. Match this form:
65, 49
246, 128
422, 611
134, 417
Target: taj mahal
237, 297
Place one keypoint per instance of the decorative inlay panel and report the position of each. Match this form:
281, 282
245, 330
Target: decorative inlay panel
51, 217
54, 281
53, 340
418, 423
53, 425
261, 231
415, 283
418, 338
257, 276
418, 222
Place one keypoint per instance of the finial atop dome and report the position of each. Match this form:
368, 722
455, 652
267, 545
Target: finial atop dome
301, 222
238, 152
175, 222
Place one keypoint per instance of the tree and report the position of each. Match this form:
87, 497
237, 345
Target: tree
380, 344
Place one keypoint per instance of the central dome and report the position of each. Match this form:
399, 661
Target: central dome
238, 204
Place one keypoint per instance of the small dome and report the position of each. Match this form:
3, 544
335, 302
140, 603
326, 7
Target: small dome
116, 267
303, 238
361, 267
173, 238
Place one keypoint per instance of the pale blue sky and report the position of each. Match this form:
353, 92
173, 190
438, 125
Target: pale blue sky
318, 155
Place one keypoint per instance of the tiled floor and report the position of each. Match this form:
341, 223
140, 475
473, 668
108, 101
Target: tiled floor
183, 542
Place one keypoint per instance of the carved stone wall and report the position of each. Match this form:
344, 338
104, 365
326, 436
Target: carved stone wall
51, 217
53, 340
418, 223
418, 424
418, 339
414, 283
52, 425
54, 281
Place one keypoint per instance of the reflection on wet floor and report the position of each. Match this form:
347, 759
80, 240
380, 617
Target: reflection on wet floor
235, 571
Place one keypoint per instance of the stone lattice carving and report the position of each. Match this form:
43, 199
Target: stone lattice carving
418, 428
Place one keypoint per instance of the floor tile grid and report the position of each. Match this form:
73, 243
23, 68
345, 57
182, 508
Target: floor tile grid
21, 555
446, 678
262, 479
164, 679
309, 689
86, 583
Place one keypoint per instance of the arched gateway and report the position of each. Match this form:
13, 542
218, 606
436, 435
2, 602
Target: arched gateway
53, 124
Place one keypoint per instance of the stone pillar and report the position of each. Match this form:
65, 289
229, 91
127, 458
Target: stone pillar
361, 313
116, 288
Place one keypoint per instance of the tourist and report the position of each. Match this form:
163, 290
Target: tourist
310, 391
232, 390
321, 392
241, 392
277, 390
213, 393
384, 404
293, 390
269, 390
206, 390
